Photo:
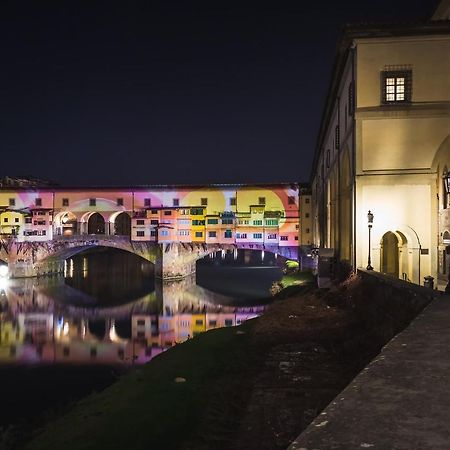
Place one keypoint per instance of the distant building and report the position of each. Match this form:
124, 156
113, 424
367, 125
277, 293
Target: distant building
384, 146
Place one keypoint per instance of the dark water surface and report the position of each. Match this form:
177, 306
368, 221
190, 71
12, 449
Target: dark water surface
63, 336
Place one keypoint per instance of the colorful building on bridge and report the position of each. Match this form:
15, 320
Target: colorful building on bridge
244, 215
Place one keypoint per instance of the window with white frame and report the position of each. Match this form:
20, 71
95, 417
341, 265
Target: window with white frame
396, 86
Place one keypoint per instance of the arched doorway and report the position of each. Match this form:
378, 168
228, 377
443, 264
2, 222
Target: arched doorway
122, 225
96, 224
389, 258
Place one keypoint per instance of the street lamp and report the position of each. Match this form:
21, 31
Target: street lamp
369, 224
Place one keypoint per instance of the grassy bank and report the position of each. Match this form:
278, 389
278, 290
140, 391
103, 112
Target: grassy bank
250, 387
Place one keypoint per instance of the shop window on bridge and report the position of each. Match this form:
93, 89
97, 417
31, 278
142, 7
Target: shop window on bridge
153, 233
167, 213
5, 220
228, 234
257, 222
212, 234
198, 234
271, 236
227, 221
196, 211
228, 322
140, 233
154, 222
213, 221
283, 238
257, 235
140, 222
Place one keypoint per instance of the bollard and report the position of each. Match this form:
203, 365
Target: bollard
428, 282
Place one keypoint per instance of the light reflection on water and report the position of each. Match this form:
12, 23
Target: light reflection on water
107, 309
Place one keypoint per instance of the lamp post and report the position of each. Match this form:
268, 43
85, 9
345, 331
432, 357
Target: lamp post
369, 224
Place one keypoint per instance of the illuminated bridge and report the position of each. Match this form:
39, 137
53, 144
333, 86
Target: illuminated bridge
171, 227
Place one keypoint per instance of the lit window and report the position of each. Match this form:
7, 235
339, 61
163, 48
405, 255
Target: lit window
396, 86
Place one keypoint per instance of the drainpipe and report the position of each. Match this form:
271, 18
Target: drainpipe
353, 50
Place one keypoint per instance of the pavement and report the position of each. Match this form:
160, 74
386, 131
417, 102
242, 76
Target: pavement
401, 400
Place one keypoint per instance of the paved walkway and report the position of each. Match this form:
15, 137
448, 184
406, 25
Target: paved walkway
401, 400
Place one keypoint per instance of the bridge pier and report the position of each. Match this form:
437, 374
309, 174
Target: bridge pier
177, 260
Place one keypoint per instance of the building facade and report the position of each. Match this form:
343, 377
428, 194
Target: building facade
220, 214
384, 146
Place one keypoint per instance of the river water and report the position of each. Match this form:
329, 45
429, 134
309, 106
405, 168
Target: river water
107, 308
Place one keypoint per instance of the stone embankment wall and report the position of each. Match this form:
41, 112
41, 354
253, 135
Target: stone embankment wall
386, 305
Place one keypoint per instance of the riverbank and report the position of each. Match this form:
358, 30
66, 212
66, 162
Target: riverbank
256, 386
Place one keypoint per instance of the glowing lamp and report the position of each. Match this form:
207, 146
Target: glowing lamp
3, 271
447, 181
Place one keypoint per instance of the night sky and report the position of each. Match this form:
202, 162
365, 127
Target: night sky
170, 92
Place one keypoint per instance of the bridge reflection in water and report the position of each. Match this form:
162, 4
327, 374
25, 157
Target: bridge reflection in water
65, 320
